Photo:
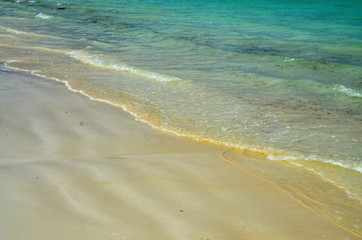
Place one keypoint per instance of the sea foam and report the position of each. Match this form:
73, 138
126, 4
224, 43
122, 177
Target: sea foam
348, 91
43, 16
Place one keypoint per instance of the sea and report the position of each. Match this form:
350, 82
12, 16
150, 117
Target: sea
278, 78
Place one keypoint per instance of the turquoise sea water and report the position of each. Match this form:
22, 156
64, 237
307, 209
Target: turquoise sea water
281, 78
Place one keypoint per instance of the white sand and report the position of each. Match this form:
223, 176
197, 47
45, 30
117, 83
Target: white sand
72, 168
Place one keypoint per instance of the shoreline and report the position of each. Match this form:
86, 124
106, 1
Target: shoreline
83, 78
89, 169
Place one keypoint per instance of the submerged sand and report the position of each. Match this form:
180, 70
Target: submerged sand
72, 168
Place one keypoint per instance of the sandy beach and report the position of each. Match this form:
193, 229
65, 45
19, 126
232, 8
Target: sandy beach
72, 168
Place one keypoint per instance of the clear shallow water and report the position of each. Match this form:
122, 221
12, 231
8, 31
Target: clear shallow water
279, 78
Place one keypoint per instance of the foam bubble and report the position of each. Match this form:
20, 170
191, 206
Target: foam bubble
43, 16
289, 60
348, 91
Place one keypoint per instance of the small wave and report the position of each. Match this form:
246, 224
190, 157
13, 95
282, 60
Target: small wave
356, 166
43, 16
349, 193
347, 91
99, 62
305, 161
11, 30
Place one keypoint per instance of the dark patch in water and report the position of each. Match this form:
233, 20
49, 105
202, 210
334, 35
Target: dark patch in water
4, 69
8, 70
262, 50
319, 57
187, 38
312, 108
119, 26
108, 22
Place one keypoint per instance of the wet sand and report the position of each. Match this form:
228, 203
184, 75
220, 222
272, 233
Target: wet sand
72, 168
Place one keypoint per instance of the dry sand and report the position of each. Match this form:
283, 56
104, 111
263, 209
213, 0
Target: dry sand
72, 168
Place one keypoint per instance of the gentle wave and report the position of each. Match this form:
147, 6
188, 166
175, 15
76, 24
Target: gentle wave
97, 60
43, 16
349, 193
11, 30
347, 91
356, 166
18, 32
